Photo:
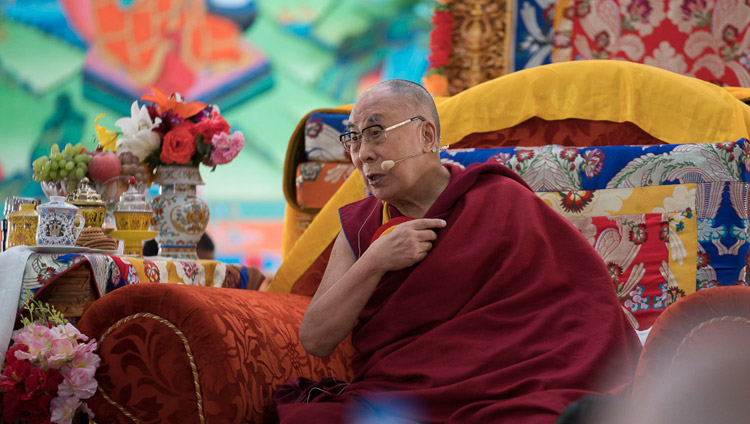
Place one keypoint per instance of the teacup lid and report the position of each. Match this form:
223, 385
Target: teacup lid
57, 203
132, 200
84, 195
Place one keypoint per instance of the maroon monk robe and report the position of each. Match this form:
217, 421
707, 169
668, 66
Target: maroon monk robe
509, 318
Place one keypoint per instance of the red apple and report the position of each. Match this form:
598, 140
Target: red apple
104, 166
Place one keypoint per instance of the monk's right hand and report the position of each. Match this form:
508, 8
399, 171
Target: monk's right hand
407, 244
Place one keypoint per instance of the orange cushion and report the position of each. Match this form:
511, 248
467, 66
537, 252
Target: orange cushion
241, 343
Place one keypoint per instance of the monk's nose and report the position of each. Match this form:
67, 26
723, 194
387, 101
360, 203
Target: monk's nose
366, 152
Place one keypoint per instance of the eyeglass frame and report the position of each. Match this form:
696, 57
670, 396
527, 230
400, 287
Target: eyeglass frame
349, 134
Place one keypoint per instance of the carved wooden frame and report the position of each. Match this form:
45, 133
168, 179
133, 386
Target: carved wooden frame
481, 42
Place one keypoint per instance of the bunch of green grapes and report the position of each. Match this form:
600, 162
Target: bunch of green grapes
68, 166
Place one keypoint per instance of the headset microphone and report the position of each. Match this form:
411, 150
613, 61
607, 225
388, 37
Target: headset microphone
387, 165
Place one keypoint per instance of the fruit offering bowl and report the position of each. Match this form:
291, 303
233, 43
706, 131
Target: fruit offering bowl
60, 172
54, 188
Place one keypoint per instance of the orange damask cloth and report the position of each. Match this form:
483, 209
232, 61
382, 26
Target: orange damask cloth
174, 353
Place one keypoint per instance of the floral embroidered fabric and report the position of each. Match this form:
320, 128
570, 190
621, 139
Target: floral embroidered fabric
317, 181
322, 137
111, 272
705, 39
667, 219
636, 250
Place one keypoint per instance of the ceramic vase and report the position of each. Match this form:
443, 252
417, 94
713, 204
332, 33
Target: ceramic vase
180, 216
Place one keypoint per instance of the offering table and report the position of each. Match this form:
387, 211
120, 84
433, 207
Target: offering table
73, 281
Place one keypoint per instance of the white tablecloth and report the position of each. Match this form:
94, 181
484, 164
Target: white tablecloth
12, 264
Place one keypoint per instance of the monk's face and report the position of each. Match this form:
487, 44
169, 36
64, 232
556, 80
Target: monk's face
379, 105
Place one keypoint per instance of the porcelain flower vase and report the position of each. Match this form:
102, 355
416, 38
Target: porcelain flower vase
180, 216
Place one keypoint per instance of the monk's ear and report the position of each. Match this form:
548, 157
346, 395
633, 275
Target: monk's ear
429, 137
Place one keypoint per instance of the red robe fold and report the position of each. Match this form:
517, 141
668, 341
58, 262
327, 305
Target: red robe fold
510, 317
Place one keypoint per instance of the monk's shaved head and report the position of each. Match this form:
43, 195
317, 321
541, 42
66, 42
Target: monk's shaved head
411, 91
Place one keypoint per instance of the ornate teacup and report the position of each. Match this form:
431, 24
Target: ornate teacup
57, 225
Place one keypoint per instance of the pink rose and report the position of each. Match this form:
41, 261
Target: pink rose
225, 148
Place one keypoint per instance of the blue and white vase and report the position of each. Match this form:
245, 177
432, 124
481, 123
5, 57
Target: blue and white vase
180, 216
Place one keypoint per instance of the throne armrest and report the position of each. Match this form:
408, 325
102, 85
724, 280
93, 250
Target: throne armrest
174, 353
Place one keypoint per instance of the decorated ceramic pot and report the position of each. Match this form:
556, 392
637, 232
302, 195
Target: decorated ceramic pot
22, 226
57, 223
180, 215
89, 204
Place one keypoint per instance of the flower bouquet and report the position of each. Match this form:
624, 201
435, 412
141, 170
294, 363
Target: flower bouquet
168, 131
173, 132
48, 370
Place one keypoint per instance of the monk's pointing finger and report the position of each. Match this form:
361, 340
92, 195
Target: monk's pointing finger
429, 223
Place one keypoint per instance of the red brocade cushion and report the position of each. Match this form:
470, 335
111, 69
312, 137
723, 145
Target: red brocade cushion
198, 351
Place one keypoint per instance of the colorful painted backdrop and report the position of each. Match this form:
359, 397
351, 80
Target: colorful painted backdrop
265, 63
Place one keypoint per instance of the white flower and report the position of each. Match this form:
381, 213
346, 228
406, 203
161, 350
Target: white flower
63, 408
78, 382
138, 136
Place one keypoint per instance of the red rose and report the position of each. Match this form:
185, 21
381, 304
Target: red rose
216, 124
179, 145
39, 407
36, 381
39, 419
13, 374
12, 406
54, 378
10, 354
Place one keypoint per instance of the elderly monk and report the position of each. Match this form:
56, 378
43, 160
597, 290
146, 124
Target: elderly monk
468, 299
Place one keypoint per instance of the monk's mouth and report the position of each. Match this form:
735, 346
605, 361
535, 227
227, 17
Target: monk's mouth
373, 179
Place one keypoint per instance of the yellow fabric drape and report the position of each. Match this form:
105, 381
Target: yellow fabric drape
742, 93
671, 107
318, 235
